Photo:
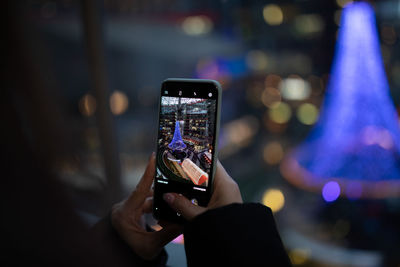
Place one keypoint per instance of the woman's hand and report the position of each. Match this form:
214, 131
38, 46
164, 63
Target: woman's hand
226, 191
127, 218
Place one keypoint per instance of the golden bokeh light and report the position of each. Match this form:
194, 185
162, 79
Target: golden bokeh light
274, 199
307, 114
118, 102
273, 153
87, 105
280, 113
273, 14
299, 256
197, 25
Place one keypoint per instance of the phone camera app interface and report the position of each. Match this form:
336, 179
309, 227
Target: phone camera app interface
185, 141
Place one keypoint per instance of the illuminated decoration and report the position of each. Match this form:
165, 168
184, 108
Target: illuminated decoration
355, 145
177, 142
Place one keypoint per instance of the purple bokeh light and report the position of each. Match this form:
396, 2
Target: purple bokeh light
331, 191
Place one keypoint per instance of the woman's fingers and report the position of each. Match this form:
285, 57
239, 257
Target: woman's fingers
146, 181
148, 205
143, 188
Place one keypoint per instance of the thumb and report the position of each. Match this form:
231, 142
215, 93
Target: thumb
181, 204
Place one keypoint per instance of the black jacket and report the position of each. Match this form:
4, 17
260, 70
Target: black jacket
234, 235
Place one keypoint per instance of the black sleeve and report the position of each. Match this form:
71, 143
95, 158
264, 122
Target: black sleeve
235, 235
119, 250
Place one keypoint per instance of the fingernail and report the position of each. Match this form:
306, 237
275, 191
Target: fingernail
169, 198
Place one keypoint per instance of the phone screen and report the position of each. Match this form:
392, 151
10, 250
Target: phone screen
188, 118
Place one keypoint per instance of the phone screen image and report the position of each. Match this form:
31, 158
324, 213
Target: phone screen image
186, 141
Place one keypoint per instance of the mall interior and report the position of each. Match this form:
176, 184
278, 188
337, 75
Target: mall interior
186, 134
309, 116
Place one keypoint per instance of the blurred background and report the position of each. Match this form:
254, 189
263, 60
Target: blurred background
273, 60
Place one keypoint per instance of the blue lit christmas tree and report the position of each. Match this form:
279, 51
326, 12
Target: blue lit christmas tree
356, 142
177, 142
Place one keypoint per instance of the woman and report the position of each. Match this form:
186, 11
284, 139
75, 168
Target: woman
39, 225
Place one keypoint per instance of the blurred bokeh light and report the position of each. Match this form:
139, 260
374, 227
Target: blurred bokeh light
280, 113
118, 102
295, 88
87, 105
274, 199
197, 25
331, 191
307, 113
273, 14
273, 153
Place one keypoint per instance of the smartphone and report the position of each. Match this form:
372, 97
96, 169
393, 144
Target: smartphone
188, 126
